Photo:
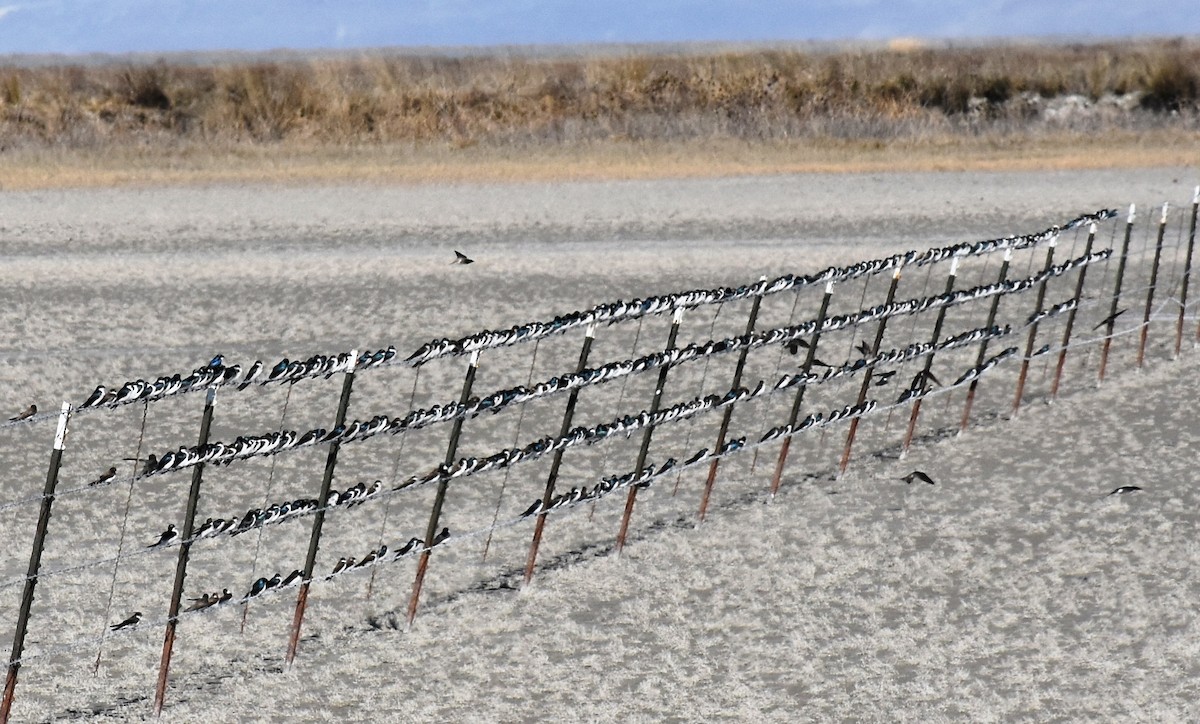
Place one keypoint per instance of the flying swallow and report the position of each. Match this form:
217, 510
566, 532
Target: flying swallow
794, 346
28, 413
917, 475
107, 476
864, 348
882, 378
129, 622
461, 258
1109, 319
1125, 489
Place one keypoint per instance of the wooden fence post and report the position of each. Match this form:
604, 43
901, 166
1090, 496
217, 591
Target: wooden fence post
443, 484
552, 478
314, 539
1062, 353
35, 563
725, 419
867, 373
1033, 328
185, 546
648, 432
928, 368
1116, 298
1158, 245
805, 369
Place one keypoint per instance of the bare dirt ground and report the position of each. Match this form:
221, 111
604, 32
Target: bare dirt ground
1011, 589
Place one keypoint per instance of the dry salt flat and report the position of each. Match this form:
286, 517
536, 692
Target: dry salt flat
1011, 589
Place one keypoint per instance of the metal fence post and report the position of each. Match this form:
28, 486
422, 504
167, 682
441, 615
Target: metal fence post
1116, 299
35, 562
867, 373
928, 368
648, 432
805, 369
185, 546
1158, 245
1187, 271
728, 416
440, 498
983, 346
552, 478
1062, 354
1033, 328
314, 540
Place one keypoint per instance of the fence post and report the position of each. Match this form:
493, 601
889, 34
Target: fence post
552, 478
648, 432
725, 419
1187, 271
866, 383
1033, 328
443, 484
805, 369
185, 546
924, 380
1158, 245
1062, 354
983, 346
35, 562
1112, 312
314, 540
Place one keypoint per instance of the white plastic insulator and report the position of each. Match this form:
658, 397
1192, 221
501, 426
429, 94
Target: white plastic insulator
591, 331
1132, 213
829, 287
678, 316
475, 358
954, 266
1054, 241
60, 435
1008, 254
1163, 220
1196, 196
1092, 228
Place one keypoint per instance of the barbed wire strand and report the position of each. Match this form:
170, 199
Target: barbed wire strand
778, 364
387, 504
112, 584
625, 381
703, 381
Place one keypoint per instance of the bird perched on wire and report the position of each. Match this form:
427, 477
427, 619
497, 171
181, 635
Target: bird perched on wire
129, 622
170, 535
201, 602
28, 413
917, 475
107, 476
461, 258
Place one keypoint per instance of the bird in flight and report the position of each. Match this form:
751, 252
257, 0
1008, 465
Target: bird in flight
129, 622
461, 258
795, 345
864, 348
1125, 489
917, 475
882, 378
1109, 319
28, 413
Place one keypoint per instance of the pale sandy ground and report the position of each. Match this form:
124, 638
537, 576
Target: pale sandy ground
1011, 590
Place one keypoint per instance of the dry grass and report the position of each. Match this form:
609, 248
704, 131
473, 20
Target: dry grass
411, 118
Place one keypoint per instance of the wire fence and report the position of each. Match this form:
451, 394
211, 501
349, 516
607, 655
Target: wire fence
900, 353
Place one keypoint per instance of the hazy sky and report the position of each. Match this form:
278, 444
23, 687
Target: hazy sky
113, 26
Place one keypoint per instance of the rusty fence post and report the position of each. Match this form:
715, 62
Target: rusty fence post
552, 478
1187, 271
1111, 321
648, 432
1158, 245
440, 498
314, 539
796, 403
923, 379
185, 546
35, 563
1033, 328
867, 373
1066, 343
728, 416
983, 346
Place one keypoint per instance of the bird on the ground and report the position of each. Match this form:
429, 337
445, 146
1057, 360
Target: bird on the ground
28, 413
1109, 319
1125, 489
107, 476
168, 536
129, 622
461, 258
917, 475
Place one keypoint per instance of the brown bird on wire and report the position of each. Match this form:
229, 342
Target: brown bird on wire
107, 476
28, 413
